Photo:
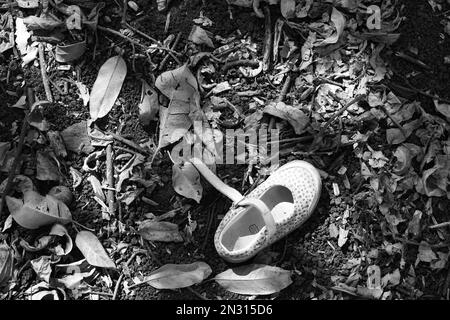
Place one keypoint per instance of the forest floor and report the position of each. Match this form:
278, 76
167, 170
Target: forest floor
384, 161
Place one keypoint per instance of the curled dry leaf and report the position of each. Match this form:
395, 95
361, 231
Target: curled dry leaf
287, 8
338, 20
43, 268
56, 143
107, 87
181, 87
404, 159
61, 231
92, 250
70, 52
21, 184
83, 92
46, 169
76, 138
199, 36
6, 264
186, 181
62, 193
34, 210
77, 177
254, 279
97, 187
174, 276
44, 22
160, 231
443, 108
22, 36
149, 104
296, 117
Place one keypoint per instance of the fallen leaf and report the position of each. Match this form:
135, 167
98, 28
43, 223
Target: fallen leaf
149, 104
425, 254
186, 181
443, 108
34, 210
333, 230
199, 36
96, 187
396, 136
174, 276
44, 22
36, 116
70, 52
6, 264
338, 20
287, 8
373, 277
180, 86
93, 251
160, 231
28, 4
296, 117
391, 279
46, 169
83, 92
76, 138
221, 87
107, 87
254, 279
42, 267
22, 36
343, 234
414, 224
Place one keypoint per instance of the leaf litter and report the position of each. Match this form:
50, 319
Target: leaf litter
397, 148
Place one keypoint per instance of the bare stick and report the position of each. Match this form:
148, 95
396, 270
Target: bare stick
43, 64
440, 225
124, 13
23, 131
129, 143
166, 58
116, 289
268, 39
110, 178
342, 110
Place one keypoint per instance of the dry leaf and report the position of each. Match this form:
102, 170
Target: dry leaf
425, 254
149, 104
296, 117
42, 267
97, 187
6, 264
174, 276
22, 36
92, 250
180, 86
44, 22
343, 234
254, 279
76, 138
46, 169
186, 181
160, 231
287, 8
57, 144
28, 4
107, 87
70, 52
396, 136
443, 108
35, 211
338, 20
199, 36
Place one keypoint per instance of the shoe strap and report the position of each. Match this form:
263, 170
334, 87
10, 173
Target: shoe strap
265, 212
214, 180
235, 195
